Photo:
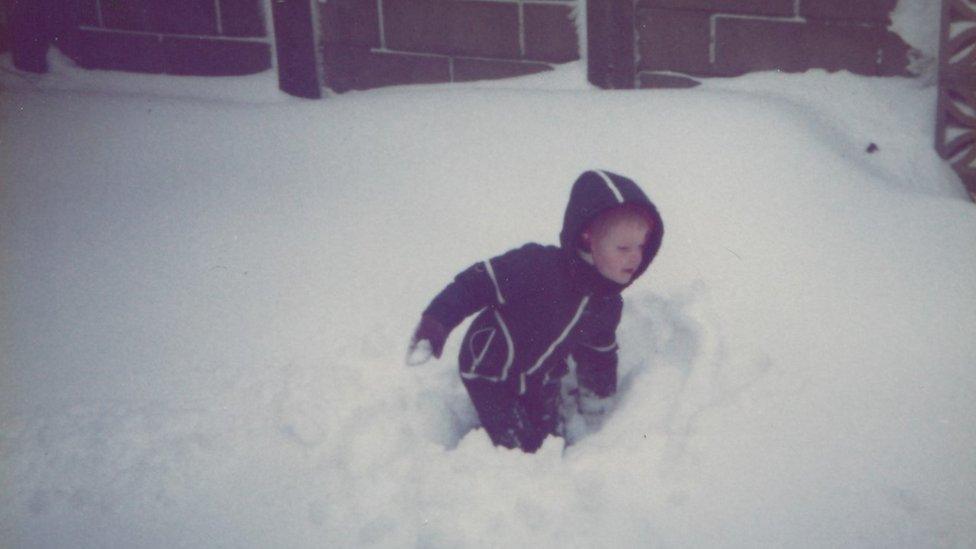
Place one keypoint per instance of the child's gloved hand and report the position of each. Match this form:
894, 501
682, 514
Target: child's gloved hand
591, 406
419, 353
428, 340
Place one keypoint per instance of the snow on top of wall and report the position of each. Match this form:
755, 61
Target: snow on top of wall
918, 23
64, 75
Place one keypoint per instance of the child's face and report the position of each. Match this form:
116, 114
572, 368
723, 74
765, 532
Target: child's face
618, 253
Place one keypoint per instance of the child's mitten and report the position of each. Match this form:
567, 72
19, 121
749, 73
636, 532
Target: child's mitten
427, 340
592, 407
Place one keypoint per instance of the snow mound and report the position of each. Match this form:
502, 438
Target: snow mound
207, 304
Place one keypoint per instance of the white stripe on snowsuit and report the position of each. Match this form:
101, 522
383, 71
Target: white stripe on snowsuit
552, 347
611, 185
494, 280
509, 349
605, 349
509, 342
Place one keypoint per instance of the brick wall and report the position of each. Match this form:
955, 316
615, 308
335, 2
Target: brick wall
192, 37
733, 37
371, 43
4, 31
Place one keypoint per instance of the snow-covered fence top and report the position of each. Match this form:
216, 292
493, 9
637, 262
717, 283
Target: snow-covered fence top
701, 38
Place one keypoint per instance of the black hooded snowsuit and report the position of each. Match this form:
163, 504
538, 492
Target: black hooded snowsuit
539, 305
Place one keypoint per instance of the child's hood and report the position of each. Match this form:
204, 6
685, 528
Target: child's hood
597, 190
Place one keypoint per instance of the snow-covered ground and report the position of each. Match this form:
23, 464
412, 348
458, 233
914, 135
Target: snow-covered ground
206, 291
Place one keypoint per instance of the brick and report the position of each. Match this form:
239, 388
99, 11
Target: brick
202, 57
745, 7
351, 22
550, 34
418, 25
743, 45
198, 17
33, 26
88, 12
359, 68
117, 51
876, 11
5, 9
656, 80
481, 29
674, 40
242, 18
124, 15
893, 56
482, 69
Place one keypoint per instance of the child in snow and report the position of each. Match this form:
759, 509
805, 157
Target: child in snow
541, 305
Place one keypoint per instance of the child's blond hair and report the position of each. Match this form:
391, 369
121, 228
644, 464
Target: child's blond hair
598, 228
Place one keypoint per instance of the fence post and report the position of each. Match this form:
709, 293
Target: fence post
610, 44
297, 41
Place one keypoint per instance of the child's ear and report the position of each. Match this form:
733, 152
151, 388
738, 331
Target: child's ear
586, 240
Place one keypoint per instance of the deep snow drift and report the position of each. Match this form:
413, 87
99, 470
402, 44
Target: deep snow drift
206, 304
